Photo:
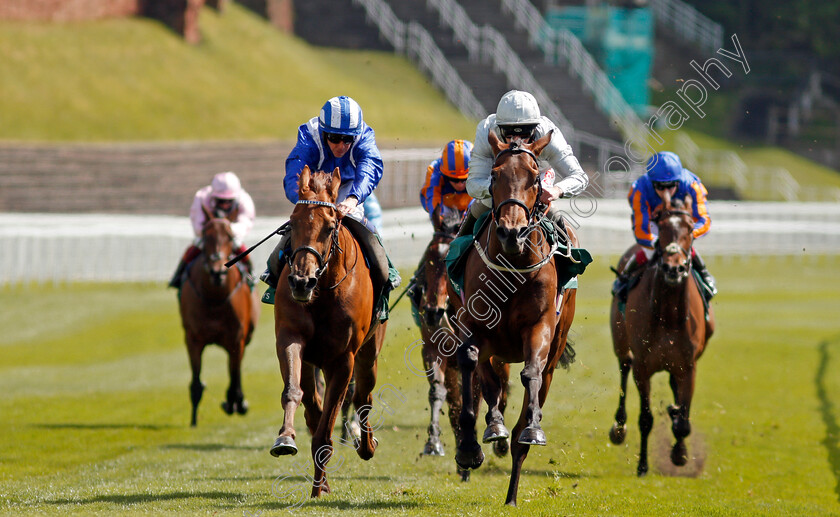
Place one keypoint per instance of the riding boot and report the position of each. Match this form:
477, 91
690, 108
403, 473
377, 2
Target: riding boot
415, 285
700, 266
190, 254
271, 275
468, 225
179, 272
621, 286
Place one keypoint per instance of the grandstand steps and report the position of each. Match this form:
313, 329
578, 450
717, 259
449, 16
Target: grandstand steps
135, 178
336, 23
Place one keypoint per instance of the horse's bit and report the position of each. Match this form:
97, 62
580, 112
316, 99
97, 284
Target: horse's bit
322, 261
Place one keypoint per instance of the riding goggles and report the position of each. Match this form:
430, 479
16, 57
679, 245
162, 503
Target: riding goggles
337, 138
664, 185
524, 131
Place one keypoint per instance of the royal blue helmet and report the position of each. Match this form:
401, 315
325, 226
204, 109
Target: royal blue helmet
341, 115
664, 167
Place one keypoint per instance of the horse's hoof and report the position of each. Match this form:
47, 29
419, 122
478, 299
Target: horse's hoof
242, 407
501, 448
362, 452
227, 408
532, 436
495, 432
469, 459
284, 446
679, 454
433, 448
465, 475
642, 470
618, 433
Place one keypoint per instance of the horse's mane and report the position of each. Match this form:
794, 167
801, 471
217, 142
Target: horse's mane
320, 181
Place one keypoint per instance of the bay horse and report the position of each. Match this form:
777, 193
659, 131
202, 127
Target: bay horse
663, 328
509, 311
440, 365
217, 306
323, 318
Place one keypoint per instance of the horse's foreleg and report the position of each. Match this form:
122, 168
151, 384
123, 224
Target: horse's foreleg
645, 418
469, 454
235, 398
350, 429
196, 387
538, 345
491, 389
289, 354
453, 400
337, 376
365, 373
683, 388
437, 393
618, 431
311, 400
502, 447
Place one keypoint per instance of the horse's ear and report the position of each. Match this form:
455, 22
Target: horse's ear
303, 180
688, 204
234, 214
207, 213
335, 184
494, 142
538, 146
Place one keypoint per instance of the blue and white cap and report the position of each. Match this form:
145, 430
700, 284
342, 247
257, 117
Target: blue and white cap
341, 115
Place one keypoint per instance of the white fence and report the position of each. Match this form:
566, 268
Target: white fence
98, 247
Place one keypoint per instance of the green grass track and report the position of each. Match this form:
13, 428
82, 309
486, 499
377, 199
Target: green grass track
95, 414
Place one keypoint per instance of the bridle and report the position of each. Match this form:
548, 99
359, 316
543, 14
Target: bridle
322, 261
674, 247
532, 211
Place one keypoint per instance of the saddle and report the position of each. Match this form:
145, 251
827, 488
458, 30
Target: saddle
567, 269
383, 274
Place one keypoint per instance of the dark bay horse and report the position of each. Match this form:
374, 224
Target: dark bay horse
217, 306
439, 363
662, 328
323, 318
509, 311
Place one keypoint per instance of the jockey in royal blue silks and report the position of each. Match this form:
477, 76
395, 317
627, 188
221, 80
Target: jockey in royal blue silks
665, 174
337, 137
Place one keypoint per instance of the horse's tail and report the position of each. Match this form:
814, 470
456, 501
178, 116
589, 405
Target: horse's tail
568, 355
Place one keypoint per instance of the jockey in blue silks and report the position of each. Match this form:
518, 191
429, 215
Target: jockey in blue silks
337, 137
665, 174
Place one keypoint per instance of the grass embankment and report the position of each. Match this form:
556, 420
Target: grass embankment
132, 79
96, 411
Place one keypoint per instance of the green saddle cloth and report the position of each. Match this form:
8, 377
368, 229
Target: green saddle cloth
566, 268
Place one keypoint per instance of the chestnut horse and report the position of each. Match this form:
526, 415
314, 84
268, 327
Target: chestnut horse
439, 363
323, 318
509, 309
663, 328
217, 306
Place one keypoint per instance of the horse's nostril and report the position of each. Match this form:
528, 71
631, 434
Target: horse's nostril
681, 269
310, 283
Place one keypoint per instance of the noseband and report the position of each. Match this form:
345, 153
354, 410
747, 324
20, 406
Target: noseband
322, 261
673, 247
532, 211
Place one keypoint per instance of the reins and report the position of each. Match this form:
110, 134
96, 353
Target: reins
322, 261
534, 217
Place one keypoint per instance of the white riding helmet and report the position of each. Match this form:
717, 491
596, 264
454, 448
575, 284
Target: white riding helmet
517, 108
226, 185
